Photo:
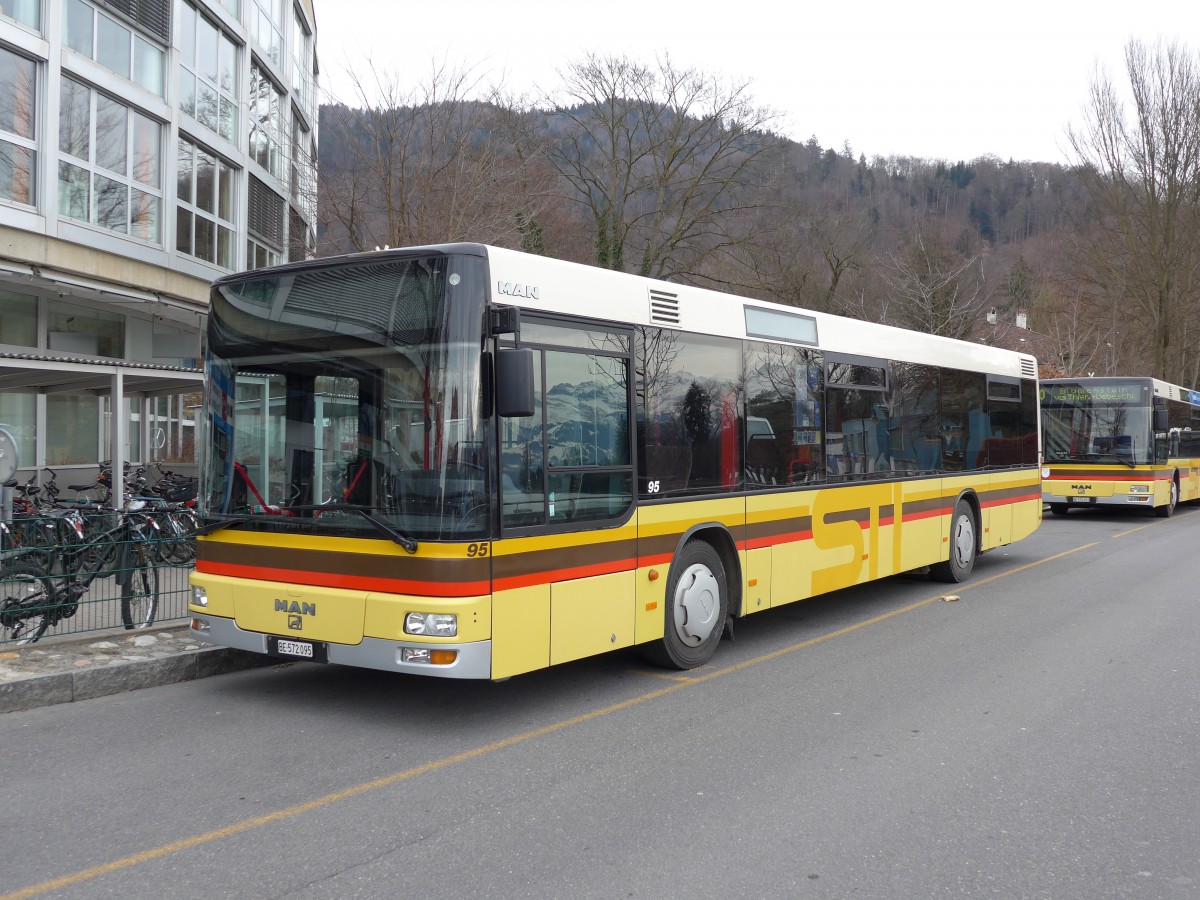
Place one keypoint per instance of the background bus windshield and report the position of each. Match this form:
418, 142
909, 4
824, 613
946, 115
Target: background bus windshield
350, 387
1096, 423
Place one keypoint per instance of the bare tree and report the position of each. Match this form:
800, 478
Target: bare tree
1142, 173
935, 290
661, 159
432, 164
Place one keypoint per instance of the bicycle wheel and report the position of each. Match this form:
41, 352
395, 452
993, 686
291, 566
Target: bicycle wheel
139, 594
25, 600
176, 547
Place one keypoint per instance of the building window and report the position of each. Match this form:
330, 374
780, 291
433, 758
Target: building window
18, 325
303, 85
266, 123
71, 429
266, 26
208, 86
18, 154
112, 177
107, 41
204, 219
26, 12
303, 174
265, 226
85, 331
18, 417
154, 16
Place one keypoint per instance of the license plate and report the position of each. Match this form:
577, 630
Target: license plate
313, 650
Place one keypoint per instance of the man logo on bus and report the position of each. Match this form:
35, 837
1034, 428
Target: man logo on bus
296, 608
517, 290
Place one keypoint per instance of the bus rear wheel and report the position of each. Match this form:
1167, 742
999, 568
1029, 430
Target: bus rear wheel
697, 603
963, 546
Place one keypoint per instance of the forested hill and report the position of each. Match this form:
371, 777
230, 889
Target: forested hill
723, 201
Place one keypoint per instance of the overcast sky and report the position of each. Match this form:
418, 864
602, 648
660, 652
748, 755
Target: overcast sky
939, 79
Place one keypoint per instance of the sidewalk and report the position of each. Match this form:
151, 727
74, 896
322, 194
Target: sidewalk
80, 667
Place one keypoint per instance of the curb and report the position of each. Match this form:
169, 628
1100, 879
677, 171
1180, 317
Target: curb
118, 677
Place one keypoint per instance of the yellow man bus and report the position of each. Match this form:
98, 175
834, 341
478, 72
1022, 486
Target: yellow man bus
470, 462
1132, 443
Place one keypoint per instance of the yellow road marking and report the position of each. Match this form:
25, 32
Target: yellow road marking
661, 676
1139, 528
678, 684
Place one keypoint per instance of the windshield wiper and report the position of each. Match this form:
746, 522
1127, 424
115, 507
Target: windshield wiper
1093, 457
404, 540
1120, 459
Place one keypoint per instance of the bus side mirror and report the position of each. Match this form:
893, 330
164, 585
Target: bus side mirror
514, 382
1160, 420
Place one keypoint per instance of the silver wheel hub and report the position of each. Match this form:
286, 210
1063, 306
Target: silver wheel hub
963, 540
697, 605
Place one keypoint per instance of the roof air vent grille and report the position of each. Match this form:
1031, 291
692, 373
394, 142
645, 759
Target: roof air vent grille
664, 308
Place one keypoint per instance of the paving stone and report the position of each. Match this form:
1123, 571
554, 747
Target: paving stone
61, 670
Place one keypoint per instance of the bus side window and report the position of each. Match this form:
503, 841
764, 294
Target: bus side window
783, 428
691, 404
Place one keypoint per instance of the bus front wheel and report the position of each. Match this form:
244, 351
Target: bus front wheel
963, 546
697, 603
1165, 511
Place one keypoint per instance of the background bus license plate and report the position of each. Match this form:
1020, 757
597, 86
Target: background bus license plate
313, 650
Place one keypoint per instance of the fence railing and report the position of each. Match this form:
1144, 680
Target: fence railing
100, 608
104, 571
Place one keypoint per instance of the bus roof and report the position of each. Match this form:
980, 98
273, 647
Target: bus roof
618, 296
557, 286
1161, 388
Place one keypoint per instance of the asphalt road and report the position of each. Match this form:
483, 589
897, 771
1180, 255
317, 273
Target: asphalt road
1038, 737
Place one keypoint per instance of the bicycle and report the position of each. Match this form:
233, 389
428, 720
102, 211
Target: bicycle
33, 597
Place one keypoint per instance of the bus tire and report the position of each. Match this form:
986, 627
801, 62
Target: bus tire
964, 546
1168, 509
1059, 509
697, 603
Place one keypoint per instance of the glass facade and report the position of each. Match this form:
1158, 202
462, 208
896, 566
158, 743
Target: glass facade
233, 87
18, 103
109, 42
174, 136
266, 122
205, 189
112, 174
209, 91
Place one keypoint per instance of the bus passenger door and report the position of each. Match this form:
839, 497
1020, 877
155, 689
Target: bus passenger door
564, 565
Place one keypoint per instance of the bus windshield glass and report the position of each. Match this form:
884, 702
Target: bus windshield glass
347, 398
1096, 423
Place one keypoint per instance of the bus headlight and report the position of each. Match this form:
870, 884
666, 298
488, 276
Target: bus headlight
435, 624
199, 596
1139, 489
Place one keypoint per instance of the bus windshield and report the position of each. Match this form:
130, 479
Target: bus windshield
1100, 423
349, 397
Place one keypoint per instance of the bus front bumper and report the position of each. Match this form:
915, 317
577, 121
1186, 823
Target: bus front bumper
1092, 500
474, 660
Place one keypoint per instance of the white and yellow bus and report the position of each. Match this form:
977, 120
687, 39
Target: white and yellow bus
469, 462
1119, 442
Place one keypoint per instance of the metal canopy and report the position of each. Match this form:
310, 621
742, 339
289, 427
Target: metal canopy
50, 373
41, 372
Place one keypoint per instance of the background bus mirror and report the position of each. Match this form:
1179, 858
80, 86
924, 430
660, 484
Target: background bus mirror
1160, 420
514, 382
